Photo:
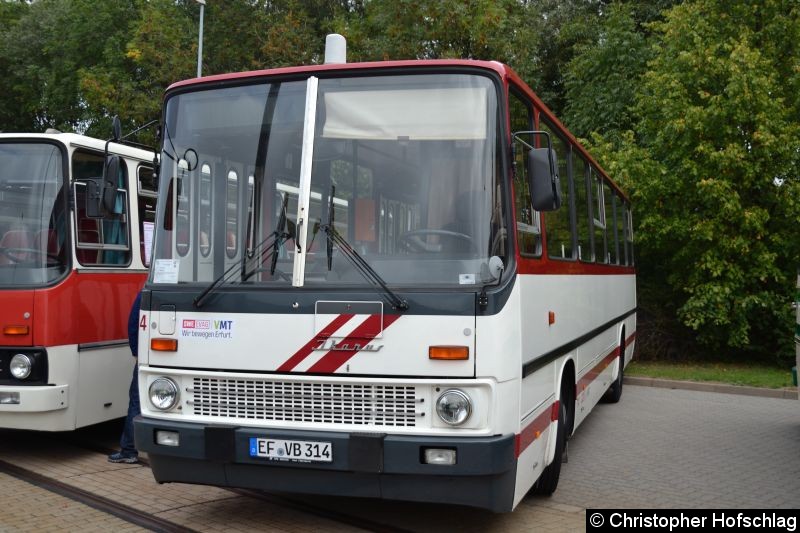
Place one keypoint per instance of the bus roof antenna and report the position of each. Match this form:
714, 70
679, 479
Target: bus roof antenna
335, 49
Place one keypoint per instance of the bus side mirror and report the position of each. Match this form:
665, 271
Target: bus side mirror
116, 128
545, 185
156, 171
110, 174
93, 196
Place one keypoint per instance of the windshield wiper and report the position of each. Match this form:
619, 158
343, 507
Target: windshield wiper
269, 250
280, 230
361, 265
230, 272
329, 242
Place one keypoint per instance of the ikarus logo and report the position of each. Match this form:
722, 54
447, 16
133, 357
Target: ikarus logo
213, 329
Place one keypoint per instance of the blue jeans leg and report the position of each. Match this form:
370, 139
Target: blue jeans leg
126, 442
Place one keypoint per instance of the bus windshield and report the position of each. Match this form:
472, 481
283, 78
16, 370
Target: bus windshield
403, 168
33, 220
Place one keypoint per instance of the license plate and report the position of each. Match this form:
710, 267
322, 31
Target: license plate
303, 451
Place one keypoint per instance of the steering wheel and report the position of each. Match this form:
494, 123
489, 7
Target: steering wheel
14, 255
413, 240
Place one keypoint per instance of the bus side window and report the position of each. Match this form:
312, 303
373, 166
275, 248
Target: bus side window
599, 218
183, 188
100, 241
582, 220
529, 237
619, 210
205, 210
146, 205
629, 235
232, 214
611, 224
557, 223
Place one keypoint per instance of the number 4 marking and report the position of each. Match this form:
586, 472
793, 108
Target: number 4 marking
143, 323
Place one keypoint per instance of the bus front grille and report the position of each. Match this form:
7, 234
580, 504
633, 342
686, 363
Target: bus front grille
292, 401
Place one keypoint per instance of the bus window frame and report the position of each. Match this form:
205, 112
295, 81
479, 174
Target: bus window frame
146, 194
518, 177
101, 246
67, 206
568, 144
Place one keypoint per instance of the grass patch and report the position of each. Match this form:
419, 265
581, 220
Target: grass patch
731, 373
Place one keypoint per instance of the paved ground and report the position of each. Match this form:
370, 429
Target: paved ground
29, 508
678, 448
656, 448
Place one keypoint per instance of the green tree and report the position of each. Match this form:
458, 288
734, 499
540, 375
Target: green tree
713, 168
16, 114
435, 29
239, 35
296, 29
45, 49
161, 49
600, 80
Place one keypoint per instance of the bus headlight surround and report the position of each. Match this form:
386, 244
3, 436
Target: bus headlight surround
454, 407
163, 393
21, 366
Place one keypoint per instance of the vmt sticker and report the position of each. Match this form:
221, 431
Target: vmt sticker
207, 329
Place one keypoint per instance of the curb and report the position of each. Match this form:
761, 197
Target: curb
784, 394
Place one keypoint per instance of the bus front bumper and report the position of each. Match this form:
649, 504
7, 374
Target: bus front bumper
373, 465
33, 399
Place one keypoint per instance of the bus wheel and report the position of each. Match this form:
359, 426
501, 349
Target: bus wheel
614, 392
548, 481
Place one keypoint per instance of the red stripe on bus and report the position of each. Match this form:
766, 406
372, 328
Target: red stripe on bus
323, 335
594, 373
630, 339
535, 429
366, 331
528, 435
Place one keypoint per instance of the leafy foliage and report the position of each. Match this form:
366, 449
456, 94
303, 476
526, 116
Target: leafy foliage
716, 159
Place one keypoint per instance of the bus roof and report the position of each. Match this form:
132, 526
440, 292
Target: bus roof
371, 65
82, 141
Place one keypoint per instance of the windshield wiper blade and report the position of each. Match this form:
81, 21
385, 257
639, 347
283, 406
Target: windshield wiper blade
363, 267
329, 243
229, 273
281, 230
279, 236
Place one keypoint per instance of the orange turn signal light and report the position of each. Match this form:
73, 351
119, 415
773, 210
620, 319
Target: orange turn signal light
448, 353
16, 330
164, 345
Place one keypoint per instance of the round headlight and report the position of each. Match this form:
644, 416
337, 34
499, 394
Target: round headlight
454, 407
163, 394
21, 366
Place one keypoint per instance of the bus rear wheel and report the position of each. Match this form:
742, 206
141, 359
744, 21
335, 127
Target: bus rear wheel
548, 481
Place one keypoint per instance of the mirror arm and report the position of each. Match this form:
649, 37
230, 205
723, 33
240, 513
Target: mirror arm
137, 130
516, 137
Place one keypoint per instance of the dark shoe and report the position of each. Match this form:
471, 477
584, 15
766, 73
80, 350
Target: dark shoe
120, 457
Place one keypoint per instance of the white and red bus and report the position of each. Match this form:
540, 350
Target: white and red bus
355, 292
73, 256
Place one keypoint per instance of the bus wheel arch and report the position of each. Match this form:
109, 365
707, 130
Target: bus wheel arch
567, 394
548, 480
614, 392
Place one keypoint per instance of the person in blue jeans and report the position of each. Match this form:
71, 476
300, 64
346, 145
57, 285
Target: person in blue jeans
128, 453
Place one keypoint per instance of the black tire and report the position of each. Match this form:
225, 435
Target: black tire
614, 392
548, 481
